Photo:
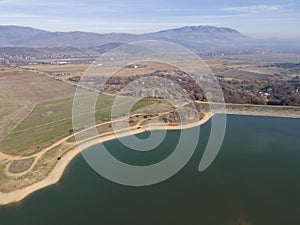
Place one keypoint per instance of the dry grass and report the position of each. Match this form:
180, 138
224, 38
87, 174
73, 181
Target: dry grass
21, 90
39, 172
48, 68
143, 68
242, 74
22, 165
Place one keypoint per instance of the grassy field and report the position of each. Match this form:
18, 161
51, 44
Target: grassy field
21, 91
51, 121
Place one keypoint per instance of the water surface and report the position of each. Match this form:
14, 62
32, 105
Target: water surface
254, 180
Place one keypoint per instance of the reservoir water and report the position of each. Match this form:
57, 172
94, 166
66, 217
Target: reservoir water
255, 180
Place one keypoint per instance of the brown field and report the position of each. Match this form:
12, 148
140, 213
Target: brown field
242, 74
251, 67
144, 68
59, 68
21, 90
265, 58
79, 69
70, 70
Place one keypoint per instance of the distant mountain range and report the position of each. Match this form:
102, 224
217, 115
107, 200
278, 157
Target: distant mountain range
191, 36
197, 38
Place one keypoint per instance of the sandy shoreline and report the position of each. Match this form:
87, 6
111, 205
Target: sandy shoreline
58, 171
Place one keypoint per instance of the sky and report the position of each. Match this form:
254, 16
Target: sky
263, 18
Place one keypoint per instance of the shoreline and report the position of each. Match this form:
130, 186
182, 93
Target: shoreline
57, 173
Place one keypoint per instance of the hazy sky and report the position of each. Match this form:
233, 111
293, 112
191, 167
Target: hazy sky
258, 18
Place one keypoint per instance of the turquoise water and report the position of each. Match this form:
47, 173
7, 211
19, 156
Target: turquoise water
254, 180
